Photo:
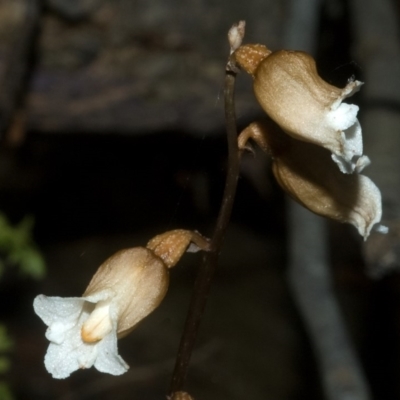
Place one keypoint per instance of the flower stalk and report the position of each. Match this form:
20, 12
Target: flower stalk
210, 260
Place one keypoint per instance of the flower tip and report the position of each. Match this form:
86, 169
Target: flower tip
378, 228
352, 87
89, 336
366, 217
236, 34
381, 229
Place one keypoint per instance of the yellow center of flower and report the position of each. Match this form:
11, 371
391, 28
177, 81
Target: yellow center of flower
98, 325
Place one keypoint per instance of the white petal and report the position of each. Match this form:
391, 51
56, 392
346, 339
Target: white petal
344, 121
57, 331
351, 88
54, 309
381, 229
58, 362
344, 166
362, 163
72, 353
343, 117
352, 141
108, 360
367, 212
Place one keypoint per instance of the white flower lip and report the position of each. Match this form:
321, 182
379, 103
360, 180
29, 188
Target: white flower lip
342, 119
67, 351
367, 212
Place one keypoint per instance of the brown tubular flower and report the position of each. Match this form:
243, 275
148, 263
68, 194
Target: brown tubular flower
138, 282
141, 276
289, 89
306, 172
128, 286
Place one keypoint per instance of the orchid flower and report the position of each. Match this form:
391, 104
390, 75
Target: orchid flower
306, 172
289, 89
83, 331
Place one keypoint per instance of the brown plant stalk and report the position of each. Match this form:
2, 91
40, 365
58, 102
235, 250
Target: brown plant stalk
210, 259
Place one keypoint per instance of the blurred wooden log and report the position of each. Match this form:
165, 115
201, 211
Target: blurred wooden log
309, 274
139, 67
18, 22
312, 286
73, 9
377, 47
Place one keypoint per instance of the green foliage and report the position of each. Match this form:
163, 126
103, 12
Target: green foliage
5, 345
18, 248
5, 393
5, 341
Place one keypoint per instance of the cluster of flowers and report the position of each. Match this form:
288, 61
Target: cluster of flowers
317, 150
313, 137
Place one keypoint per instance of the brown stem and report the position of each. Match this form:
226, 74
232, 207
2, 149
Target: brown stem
210, 259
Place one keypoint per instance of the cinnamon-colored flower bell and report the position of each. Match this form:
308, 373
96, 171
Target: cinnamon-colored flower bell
289, 89
306, 172
83, 331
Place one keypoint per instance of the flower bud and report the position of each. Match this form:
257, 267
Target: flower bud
83, 331
289, 89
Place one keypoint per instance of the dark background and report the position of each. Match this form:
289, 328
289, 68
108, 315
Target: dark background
114, 132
